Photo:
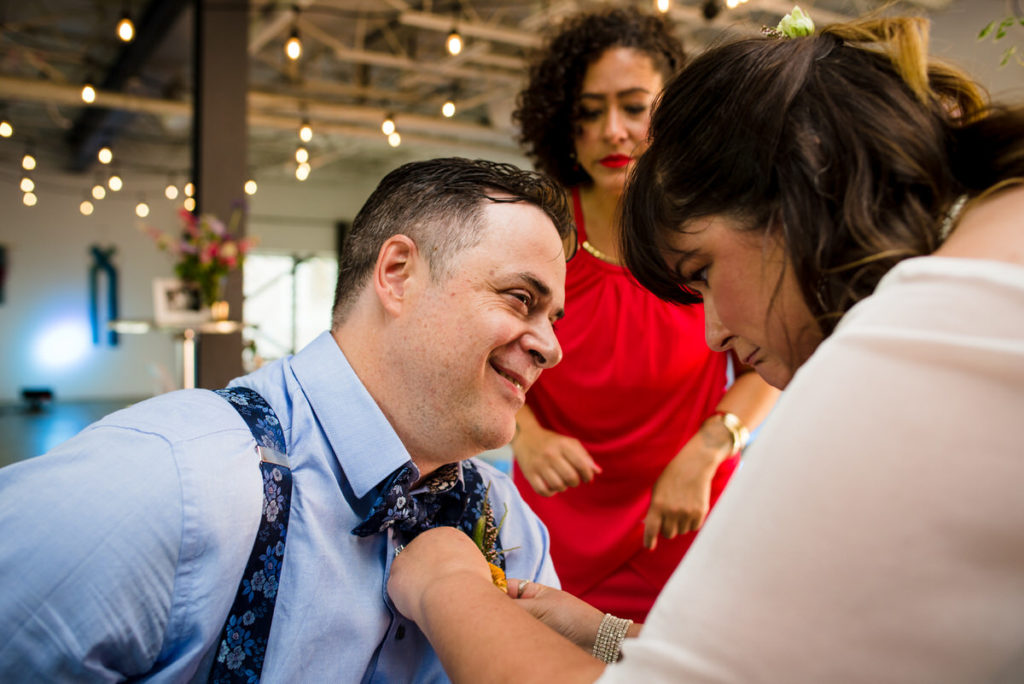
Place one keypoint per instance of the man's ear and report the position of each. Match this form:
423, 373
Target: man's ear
397, 267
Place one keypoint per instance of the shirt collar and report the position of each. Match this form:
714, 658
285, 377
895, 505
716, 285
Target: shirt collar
364, 443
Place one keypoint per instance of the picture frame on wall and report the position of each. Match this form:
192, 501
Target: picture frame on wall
177, 303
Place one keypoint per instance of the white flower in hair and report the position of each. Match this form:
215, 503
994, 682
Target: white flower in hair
796, 24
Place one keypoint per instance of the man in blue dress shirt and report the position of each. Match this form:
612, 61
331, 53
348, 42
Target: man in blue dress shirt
123, 547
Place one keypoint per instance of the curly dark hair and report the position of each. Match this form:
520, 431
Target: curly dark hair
547, 110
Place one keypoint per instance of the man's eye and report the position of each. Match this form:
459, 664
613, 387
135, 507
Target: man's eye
523, 297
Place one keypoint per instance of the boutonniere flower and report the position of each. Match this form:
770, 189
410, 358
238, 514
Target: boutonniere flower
485, 536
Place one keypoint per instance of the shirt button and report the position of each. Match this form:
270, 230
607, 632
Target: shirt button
400, 632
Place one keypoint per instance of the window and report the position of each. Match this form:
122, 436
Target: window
288, 299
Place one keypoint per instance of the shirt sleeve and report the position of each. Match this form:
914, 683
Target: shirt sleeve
92, 532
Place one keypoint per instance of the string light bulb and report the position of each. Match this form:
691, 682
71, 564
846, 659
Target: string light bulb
662, 5
86, 207
448, 109
189, 204
387, 127
302, 171
28, 162
301, 155
171, 191
126, 28
98, 192
394, 139
190, 189
27, 184
88, 93
250, 187
114, 182
6, 129
293, 48
305, 131
453, 42
29, 199
105, 155
142, 209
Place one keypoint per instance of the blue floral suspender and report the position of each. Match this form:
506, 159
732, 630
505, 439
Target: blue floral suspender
243, 641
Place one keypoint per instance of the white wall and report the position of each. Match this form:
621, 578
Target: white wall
45, 338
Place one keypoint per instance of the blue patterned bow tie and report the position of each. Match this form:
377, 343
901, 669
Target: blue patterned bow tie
441, 502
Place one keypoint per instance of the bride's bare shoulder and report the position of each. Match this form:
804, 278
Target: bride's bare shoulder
991, 227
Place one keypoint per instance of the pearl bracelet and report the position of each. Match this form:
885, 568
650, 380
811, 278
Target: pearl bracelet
608, 644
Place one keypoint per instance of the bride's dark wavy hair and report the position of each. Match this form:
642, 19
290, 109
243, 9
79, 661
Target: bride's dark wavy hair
849, 142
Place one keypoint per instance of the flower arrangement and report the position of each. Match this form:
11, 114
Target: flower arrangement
207, 251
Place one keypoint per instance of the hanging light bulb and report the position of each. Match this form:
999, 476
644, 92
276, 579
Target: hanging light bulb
394, 139
28, 162
125, 28
454, 42
98, 191
387, 127
29, 199
114, 182
293, 48
302, 171
142, 209
171, 191
86, 207
88, 93
306, 131
662, 5
301, 155
190, 189
250, 187
105, 155
6, 129
189, 204
448, 109
27, 184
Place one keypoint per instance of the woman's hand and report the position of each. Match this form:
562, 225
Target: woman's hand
551, 462
571, 617
681, 496
436, 557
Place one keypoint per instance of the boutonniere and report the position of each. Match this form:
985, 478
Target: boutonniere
485, 536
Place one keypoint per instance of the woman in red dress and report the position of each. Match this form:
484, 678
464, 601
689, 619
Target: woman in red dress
624, 447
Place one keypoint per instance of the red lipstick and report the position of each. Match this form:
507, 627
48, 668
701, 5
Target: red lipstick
615, 161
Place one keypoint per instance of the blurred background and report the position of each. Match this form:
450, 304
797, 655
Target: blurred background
71, 85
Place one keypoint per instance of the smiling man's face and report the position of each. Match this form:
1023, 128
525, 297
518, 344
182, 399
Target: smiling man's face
478, 339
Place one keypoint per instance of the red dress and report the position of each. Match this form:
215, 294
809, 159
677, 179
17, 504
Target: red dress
635, 383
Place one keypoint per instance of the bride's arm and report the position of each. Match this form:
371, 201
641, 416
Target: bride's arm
442, 582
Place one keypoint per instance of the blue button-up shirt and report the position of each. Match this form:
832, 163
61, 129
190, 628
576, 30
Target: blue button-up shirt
123, 547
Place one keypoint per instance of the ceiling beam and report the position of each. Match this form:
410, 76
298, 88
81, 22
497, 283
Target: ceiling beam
272, 110
96, 127
444, 24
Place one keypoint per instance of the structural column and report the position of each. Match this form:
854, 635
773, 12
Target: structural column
219, 154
